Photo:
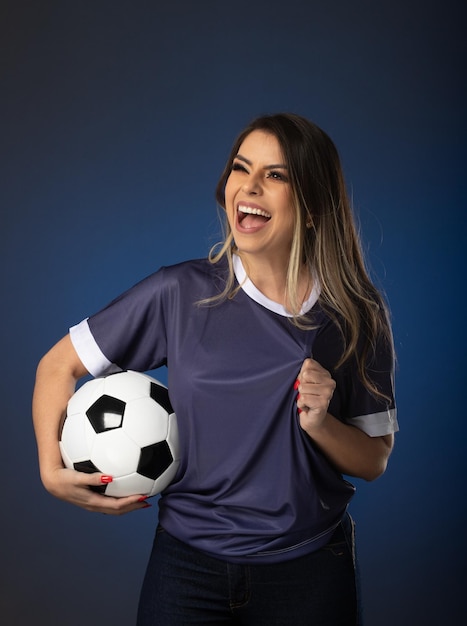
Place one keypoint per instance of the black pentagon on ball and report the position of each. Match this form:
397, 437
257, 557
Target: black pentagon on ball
154, 460
106, 413
87, 467
161, 395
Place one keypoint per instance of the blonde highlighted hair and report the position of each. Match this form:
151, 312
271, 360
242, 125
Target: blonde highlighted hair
325, 238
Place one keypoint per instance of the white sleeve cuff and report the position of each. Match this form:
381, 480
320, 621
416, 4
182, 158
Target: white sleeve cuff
89, 352
376, 424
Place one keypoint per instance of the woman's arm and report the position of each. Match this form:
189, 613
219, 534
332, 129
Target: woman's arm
57, 374
348, 448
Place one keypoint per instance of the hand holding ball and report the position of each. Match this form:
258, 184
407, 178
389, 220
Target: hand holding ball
122, 425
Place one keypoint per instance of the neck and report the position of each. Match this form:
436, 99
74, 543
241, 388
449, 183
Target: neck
270, 277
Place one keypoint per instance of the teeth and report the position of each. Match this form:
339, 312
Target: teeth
253, 211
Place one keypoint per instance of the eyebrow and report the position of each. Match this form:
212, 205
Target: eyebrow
266, 167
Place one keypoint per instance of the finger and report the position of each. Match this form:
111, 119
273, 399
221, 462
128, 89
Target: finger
117, 506
97, 480
312, 372
324, 388
315, 388
99, 502
306, 365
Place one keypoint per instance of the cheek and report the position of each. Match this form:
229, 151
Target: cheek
229, 200
228, 192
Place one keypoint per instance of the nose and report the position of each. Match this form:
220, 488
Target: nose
252, 185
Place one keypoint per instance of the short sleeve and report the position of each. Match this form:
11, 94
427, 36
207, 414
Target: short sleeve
129, 333
352, 402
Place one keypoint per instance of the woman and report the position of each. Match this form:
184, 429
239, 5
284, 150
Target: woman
280, 365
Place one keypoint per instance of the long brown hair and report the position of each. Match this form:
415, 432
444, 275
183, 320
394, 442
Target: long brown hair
325, 237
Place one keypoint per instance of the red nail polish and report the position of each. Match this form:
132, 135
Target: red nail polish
143, 498
296, 384
299, 411
146, 506
106, 479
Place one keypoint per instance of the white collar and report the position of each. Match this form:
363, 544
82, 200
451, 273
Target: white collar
255, 294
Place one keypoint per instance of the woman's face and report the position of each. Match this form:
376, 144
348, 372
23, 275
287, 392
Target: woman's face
258, 199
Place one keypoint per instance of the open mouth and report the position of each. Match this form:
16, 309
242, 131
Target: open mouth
252, 217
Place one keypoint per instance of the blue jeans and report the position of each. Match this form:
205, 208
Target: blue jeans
183, 586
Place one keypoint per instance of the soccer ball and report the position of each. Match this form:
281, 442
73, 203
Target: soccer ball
122, 425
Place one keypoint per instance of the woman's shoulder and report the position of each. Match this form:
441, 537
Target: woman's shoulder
189, 269
199, 276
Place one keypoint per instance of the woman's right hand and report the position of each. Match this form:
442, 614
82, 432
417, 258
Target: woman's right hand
76, 488
56, 378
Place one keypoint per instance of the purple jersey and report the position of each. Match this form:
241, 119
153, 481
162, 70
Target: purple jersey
251, 486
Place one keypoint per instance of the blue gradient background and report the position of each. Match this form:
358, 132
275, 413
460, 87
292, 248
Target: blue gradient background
117, 118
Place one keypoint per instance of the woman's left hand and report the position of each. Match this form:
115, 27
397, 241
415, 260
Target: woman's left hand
315, 389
